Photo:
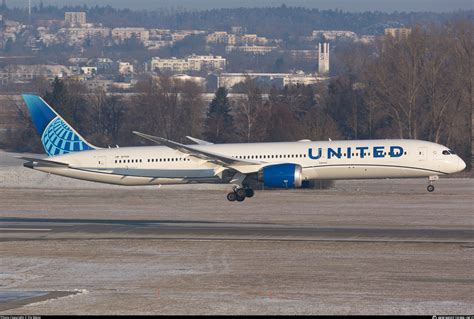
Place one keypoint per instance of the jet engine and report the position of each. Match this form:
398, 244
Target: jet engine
281, 176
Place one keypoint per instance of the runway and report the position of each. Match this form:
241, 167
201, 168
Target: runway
14, 229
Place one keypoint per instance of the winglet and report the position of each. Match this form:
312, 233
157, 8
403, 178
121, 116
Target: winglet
198, 141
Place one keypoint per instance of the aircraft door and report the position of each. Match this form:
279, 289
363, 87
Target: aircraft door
422, 153
101, 161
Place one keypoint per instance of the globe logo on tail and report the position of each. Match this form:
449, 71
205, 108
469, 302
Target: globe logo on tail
58, 139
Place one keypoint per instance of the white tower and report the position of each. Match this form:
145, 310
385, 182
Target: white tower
323, 58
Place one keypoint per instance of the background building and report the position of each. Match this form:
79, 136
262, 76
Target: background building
398, 33
323, 58
125, 68
190, 63
252, 49
75, 17
334, 34
121, 34
278, 80
79, 35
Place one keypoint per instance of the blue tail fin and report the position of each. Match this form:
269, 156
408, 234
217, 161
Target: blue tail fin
57, 136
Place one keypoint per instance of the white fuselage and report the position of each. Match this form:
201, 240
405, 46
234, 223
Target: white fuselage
359, 159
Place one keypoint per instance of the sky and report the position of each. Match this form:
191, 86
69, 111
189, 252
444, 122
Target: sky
346, 5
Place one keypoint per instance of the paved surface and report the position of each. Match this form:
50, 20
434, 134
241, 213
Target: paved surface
14, 229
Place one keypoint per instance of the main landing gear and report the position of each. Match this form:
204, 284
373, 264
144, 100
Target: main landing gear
430, 188
239, 194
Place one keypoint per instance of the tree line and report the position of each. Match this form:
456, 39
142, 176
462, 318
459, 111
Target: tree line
275, 22
420, 87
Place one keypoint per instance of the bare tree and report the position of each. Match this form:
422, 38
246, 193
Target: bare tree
398, 80
192, 109
439, 73
463, 32
250, 112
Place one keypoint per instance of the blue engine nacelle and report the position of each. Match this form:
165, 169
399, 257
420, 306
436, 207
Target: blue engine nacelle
281, 176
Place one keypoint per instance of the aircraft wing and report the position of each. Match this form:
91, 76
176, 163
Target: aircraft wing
216, 158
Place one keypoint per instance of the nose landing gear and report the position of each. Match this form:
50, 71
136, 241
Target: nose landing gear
430, 188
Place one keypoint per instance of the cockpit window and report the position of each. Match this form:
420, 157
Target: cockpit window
448, 152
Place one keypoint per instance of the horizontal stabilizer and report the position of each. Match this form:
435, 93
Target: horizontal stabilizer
41, 162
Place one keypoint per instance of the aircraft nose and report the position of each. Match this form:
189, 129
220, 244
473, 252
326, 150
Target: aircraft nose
461, 165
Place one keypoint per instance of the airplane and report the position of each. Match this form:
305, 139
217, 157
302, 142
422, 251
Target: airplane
241, 165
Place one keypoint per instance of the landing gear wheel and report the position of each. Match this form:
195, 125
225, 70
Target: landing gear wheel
249, 192
430, 188
240, 192
231, 197
240, 198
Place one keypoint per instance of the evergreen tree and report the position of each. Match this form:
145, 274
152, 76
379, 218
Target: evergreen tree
68, 98
8, 45
279, 65
57, 98
219, 122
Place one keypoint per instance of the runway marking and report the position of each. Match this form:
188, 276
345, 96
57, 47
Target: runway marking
26, 229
